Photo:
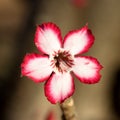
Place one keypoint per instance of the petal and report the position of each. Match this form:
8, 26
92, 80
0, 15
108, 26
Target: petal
87, 69
48, 38
36, 67
59, 87
79, 41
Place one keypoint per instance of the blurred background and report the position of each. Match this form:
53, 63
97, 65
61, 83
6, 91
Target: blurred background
21, 98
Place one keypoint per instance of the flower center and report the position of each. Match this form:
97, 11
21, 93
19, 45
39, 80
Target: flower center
62, 61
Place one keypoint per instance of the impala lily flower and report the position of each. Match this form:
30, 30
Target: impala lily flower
59, 59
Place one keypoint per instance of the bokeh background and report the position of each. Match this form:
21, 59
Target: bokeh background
21, 98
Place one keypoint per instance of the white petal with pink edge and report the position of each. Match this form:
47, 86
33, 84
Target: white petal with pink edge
36, 67
87, 69
48, 38
59, 87
79, 41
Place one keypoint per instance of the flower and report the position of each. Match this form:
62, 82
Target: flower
59, 59
51, 116
79, 3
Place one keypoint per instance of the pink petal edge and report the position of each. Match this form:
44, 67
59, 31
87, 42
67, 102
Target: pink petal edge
90, 65
79, 41
48, 37
58, 88
26, 70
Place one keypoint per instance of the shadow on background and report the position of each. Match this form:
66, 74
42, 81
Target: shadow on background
9, 82
116, 92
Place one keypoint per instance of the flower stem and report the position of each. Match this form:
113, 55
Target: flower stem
68, 109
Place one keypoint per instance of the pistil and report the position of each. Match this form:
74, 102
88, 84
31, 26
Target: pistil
62, 61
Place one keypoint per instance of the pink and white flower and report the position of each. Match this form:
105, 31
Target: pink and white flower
59, 59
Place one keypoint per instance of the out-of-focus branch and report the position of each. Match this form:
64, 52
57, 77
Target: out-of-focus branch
11, 80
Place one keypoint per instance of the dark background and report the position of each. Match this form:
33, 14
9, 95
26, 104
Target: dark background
21, 98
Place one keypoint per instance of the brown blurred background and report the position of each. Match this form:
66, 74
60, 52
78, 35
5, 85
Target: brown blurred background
21, 98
